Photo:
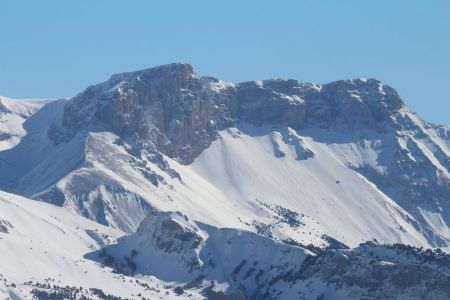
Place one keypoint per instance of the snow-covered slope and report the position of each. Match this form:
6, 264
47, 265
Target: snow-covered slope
13, 114
239, 181
341, 202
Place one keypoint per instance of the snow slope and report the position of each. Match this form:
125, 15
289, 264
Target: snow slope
240, 181
13, 114
344, 204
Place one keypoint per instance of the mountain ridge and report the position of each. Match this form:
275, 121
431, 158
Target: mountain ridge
205, 105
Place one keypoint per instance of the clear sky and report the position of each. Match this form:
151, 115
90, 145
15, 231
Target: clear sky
57, 48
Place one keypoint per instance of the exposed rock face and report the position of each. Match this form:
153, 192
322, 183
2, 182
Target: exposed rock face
376, 271
272, 102
5, 136
166, 108
359, 104
169, 233
172, 110
5, 226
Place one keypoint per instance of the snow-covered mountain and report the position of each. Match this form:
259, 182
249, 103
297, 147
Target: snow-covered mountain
274, 177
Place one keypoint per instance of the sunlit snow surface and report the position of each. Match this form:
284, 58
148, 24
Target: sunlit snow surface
13, 114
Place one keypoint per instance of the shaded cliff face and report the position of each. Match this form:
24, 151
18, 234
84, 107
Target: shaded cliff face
167, 108
172, 110
358, 104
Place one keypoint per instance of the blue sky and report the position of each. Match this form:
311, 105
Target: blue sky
57, 48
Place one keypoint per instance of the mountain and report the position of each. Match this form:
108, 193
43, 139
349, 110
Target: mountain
300, 182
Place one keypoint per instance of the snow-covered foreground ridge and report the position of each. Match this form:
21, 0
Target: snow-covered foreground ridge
48, 252
262, 175
170, 245
42, 249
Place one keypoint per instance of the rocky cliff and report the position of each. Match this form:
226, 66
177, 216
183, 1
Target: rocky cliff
172, 110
